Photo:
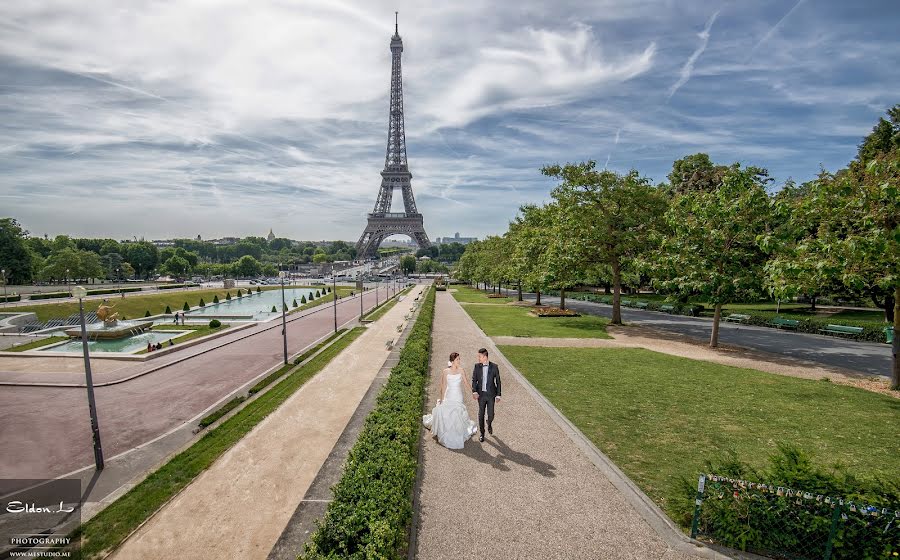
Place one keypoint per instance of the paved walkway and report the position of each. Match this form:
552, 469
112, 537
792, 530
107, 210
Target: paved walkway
240, 505
528, 491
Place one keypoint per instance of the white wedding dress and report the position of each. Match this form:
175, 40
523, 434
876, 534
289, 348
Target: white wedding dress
449, 421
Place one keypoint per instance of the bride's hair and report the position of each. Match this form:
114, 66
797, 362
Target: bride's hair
453, 356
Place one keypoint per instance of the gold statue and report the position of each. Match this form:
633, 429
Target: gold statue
105, 313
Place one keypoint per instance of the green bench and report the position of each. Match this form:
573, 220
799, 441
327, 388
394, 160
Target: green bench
606, 299
737, 318
667, 308
841, 329
625, 302
640, 304
781, 323
889, 335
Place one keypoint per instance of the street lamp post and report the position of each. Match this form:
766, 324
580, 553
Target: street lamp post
4, 284
68, 288
334, 296
80, 292
362, 290
283, 314
118, 285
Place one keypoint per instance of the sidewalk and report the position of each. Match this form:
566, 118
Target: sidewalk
239, 507
528, 491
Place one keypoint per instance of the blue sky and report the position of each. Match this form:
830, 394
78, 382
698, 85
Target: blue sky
172, 119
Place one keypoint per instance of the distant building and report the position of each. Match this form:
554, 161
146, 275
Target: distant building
163, 242
456, 239
271, 236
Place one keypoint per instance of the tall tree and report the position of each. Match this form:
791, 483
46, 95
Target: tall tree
606, 217
143, 256
529, 246
15, 256
408, 264
711, 245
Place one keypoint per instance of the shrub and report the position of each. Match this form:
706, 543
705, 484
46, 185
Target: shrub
372, 506
284, 307
274, 310
318, 294
147, 313
763, 521
295, 302
216, 298
202, 303
302, 300
258, 289
11, 298
215, 324
240, 294
49, 295
168, 310
228, 296
186, 307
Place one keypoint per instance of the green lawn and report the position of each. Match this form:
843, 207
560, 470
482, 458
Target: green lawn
509, 320
661, 417
466, 294
37, 343
384, 307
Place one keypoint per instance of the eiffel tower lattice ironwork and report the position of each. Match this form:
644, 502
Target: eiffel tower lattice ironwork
382, 222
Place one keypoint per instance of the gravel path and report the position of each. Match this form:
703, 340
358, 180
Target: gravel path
526, 492
240, 505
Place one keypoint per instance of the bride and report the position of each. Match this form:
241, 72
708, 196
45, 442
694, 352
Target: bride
449, 420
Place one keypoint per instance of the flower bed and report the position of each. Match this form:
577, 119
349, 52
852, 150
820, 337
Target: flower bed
547, 311
371, 509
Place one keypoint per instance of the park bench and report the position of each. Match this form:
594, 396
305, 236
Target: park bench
779, 322
841, 329
737, 318
667, 308
389, 345
399, 328
640, 304
626, 302
889, 334
606, 299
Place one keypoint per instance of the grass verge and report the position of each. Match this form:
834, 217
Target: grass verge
37, 344
383, 307
661, 418
371, 509
467, 294
110, 527
507, 320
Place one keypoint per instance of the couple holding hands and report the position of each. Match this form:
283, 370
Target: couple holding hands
449, 421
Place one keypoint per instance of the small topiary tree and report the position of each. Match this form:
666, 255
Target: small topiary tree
202, 303
216, 298
168, 310
258, 289
302, 299
215, 324
274, 310
186, 307
312, 297
284, 305
147, 313
240, 294
228, 296
295, 302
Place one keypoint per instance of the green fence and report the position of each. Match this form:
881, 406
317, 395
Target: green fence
785, 523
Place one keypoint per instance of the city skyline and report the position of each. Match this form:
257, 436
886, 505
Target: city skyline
222, 121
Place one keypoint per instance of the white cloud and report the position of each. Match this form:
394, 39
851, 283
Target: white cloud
688, 67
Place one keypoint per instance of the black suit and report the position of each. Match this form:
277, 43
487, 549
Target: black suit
486, 399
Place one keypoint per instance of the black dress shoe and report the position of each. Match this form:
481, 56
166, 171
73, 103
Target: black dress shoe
481, 438
490, 430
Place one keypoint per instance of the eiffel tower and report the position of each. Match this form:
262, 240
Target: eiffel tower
382, 222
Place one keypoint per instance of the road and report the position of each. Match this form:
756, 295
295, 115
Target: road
44, 431
863, 357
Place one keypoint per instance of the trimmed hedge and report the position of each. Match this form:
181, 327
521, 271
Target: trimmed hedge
10, 298
372, 504
112, 291
49, 295
174, 286
215, 324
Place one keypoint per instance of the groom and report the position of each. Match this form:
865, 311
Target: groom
485, 389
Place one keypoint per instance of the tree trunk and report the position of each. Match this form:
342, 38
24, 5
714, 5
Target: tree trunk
895, 374
714, 339
538, 300
617, 295
606, 288
562, 299
520, 290
812, 303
